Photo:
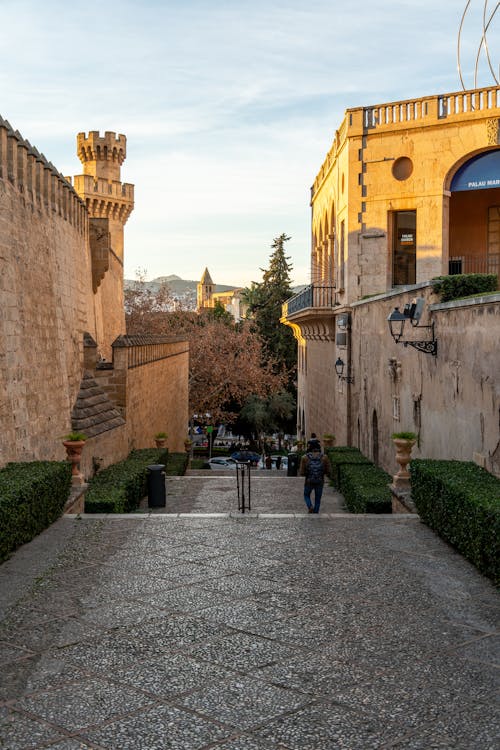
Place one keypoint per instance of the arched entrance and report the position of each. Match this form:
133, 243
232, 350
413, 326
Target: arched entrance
474, 216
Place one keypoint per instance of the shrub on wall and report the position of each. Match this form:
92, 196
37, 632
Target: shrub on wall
365, 488
121, 487
32, 496
464, 285
461, 502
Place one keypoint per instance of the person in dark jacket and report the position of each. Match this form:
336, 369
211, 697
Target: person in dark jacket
313, 443
314, 465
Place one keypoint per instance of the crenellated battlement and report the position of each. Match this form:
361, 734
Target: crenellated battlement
105, 198
37, 179
102, 156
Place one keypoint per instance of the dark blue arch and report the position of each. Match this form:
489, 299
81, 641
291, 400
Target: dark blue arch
482, 172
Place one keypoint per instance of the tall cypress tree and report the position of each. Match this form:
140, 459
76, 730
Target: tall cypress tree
265, 300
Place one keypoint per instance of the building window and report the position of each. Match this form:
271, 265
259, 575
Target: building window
402, 168
404, 247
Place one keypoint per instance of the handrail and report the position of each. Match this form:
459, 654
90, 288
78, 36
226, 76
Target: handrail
322, 296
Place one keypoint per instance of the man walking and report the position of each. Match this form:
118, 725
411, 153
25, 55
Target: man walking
313, 466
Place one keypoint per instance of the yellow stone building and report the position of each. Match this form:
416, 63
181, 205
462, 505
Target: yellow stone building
409, 191
230, 299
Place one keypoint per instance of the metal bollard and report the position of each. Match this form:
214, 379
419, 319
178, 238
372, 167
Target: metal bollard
157, 492
243, 469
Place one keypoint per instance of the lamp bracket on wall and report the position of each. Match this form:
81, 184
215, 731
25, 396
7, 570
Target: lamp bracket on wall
412, 312
339, 369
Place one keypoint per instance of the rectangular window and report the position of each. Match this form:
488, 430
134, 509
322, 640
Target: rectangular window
404, 247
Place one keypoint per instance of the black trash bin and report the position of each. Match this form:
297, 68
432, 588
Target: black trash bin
157, 493
293, 465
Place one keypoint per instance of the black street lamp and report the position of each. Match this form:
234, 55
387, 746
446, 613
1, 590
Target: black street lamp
339, 369
411, 312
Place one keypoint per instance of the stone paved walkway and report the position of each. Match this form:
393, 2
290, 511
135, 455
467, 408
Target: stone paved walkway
246, 633
217, 492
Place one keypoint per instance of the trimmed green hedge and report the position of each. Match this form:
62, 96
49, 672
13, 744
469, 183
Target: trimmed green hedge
32, 496
365, 488
342, 456
461, 502
121, 487
177, 464
464, 285
217, 450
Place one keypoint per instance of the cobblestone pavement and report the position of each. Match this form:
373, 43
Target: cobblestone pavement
217, 492
162, 631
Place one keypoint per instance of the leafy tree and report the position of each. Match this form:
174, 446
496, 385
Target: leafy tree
266, 415
226, 362
219, 312
265, 300
142, 303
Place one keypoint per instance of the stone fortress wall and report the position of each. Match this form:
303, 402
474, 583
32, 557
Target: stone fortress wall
61, 287
47, 300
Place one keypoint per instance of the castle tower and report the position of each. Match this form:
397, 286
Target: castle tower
204, 291
109, 204
105, 196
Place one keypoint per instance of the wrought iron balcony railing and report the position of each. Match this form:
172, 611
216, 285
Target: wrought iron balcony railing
473, 264
316, 296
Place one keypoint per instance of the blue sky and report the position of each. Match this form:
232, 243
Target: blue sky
229, 107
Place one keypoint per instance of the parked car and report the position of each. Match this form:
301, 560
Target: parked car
244, 455
222, 463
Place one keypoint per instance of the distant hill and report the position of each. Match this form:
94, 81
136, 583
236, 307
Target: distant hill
177, 285
185, 289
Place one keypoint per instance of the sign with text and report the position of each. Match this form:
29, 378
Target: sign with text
480, 173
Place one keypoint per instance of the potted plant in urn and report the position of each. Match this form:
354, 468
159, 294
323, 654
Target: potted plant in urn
328, 440
188, 444
161, 439
74, 442
404, 442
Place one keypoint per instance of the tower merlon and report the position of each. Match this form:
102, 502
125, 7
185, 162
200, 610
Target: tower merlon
95, 147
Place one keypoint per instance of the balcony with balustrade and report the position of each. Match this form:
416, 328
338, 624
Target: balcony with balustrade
312, 310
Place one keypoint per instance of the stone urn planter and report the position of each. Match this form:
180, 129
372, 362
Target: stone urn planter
188, 445
74, 443
161, 439
404, 442
328, 440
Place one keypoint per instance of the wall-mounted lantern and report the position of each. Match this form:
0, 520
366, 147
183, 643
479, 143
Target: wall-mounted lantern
412, 312
344, 321
339, 369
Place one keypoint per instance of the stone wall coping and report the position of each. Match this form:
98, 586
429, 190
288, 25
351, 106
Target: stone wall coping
146, 340
481, 299
396, 292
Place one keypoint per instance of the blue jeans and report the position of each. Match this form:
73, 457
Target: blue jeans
318, 491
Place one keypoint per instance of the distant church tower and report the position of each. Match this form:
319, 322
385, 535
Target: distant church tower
205, 291
109, 203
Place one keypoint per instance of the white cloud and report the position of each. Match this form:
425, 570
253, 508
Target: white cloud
229, 107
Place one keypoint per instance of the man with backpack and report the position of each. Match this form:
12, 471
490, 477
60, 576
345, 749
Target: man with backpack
313, 466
